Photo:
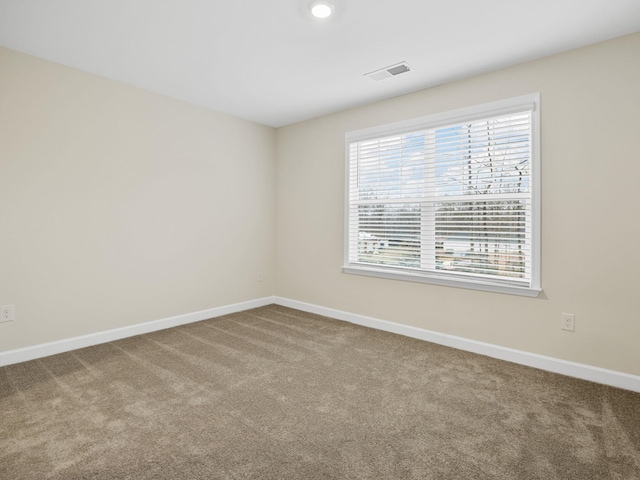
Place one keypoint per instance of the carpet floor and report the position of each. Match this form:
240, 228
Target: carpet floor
275, 393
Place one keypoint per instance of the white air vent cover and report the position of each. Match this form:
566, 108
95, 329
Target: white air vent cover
390, 71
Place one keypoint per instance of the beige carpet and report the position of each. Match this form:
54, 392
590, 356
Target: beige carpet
275, 393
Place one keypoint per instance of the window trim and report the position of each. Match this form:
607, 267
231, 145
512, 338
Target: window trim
503, 107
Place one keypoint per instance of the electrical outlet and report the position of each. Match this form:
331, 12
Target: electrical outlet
568, 322
6, 313
259, 277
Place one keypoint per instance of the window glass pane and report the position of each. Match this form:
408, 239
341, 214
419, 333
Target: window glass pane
392, 167
483, 238
485, 157
389, 234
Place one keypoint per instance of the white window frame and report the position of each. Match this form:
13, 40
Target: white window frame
529, 102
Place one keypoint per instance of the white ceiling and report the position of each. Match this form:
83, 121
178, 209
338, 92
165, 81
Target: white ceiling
270, 62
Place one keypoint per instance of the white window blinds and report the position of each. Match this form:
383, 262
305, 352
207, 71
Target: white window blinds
453, 201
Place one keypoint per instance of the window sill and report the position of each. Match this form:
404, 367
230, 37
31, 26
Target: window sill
446, 282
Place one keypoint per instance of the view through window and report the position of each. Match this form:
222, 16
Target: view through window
452, 200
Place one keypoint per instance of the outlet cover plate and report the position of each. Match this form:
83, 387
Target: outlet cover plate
6, 313
568, 322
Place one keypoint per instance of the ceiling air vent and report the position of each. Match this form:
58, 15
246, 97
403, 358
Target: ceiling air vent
390, 71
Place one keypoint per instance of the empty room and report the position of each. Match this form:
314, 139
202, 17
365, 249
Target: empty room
319, 239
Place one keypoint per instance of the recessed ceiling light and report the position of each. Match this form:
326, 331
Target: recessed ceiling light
321, 9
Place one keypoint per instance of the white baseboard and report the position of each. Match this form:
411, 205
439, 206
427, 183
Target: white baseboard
564, 367
61, 346
550, 364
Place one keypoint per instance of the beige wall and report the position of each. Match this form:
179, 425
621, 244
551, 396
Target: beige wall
119, 206
590, 213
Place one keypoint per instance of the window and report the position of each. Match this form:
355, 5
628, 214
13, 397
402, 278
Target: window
450, 199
